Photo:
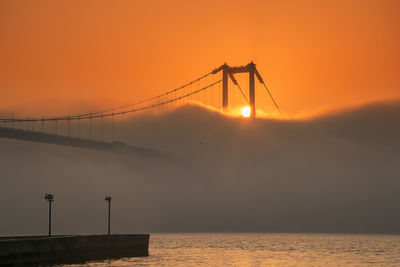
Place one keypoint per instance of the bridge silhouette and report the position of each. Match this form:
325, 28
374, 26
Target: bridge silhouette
209, 90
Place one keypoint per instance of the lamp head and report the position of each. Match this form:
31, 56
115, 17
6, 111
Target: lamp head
49, 197
108, 198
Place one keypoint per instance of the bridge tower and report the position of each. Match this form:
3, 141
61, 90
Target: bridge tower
228, 71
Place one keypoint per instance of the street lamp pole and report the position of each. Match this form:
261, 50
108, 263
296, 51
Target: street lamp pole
108, 199
49, 198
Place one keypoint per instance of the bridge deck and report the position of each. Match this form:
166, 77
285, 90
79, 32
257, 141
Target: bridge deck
118, 147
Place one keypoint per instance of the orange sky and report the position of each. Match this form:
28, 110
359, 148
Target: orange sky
75, 55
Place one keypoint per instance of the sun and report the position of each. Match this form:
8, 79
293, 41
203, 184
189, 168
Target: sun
246, 112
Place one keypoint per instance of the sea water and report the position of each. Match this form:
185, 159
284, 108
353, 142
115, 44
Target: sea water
259, 249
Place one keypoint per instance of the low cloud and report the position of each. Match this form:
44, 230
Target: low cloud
333, 173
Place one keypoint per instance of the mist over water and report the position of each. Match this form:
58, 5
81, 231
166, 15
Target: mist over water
334, 173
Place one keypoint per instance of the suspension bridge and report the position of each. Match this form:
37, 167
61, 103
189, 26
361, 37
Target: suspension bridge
106, 129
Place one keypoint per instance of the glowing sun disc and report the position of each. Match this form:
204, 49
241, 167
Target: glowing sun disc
246, 112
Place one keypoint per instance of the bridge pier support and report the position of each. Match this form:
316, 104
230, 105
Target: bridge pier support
252, 93
225, 87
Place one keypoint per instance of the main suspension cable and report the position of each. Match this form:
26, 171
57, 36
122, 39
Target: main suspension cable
86, 115
272, 98
113, 113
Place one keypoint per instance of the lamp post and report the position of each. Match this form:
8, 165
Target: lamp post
49, 198
108, 199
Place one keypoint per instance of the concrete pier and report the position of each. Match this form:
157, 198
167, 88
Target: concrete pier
71, 249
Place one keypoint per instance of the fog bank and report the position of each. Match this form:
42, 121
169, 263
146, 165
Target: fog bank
334, 173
